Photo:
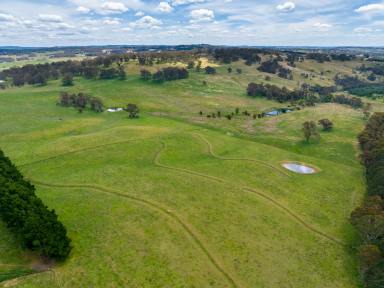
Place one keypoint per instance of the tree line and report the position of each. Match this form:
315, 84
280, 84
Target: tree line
102, 67
369, 218
305, 95
358, 87
34, 225
81, 101
165, 74
229, 55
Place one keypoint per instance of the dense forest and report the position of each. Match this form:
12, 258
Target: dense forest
34, 225
306, 95
369, 218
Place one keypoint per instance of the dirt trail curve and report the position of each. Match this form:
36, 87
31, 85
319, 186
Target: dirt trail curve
80, 150
253, 191
154, 206
213, 154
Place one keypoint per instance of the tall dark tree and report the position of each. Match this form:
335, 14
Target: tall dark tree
97, 104
67, 80
133, 111
309, 130
145, 74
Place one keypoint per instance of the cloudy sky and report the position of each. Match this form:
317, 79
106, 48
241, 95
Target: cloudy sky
231, 22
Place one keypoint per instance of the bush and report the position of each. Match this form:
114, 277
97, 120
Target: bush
327, 124
210, 70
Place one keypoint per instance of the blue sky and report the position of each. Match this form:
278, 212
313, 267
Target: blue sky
230, 22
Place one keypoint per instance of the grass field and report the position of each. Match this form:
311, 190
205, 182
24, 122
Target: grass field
37, 59
173, 199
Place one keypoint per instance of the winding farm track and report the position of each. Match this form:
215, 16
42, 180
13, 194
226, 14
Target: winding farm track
80, 150
186, 227
157, 162
154, 206
253, 191
213, 154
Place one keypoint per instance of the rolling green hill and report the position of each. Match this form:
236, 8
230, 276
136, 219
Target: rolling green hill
175, 199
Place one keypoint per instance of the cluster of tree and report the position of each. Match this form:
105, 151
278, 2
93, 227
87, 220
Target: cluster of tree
323, 90
272, 66
354, 102
231, 115
304, 95
34, 225
229, 55
349, 82
357, 87
100, 67
294, 57
163, 57
165, 74
30, 74
342, 57
80, 101
310, 129
369, 218
371, 90
273, 92
319, 57
376, 69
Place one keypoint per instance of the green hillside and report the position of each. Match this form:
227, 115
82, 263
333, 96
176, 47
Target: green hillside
175, 199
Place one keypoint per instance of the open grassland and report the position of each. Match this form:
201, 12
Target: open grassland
177, 200
38, 58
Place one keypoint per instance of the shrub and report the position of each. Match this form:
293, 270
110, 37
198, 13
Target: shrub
327, 124
210, 70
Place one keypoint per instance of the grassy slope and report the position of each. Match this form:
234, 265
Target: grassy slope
229, 233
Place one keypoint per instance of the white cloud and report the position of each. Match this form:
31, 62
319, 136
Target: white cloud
183, 2
50, 18
146, 22
362, 30
140, 14
82, 9
201, 15
164, 7
7, 18
371, 8
114, 7
112, 21
286, 7
322, 27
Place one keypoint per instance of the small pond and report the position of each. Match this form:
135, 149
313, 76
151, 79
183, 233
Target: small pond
276, 112
299, 168
115, 110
